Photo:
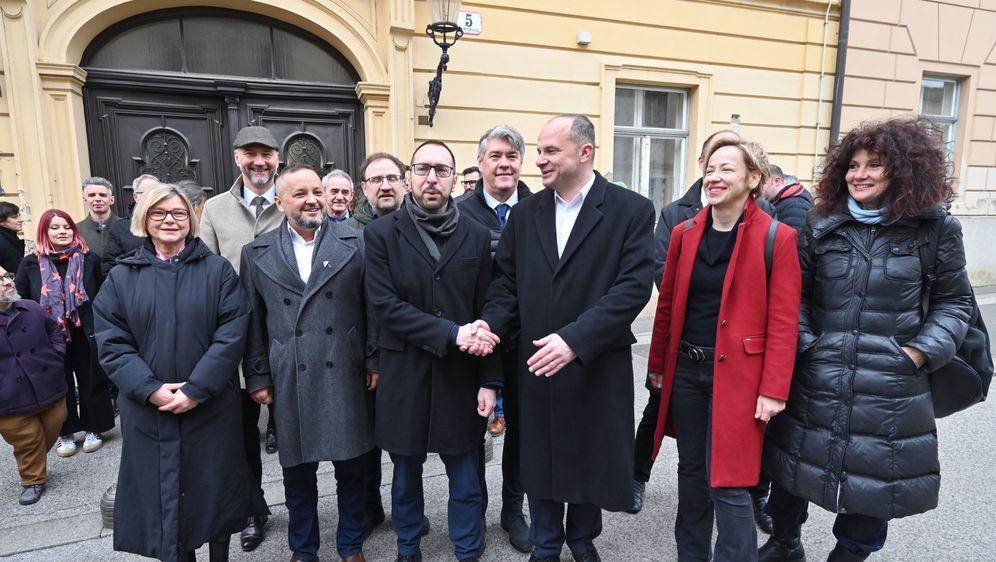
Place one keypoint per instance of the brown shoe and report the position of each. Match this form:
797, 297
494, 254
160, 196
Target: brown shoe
358, 557
497, 426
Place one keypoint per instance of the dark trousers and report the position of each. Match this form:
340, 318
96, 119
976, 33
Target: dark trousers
374, 470
548, 533
250, 439
698, 502
859, 534
83, 373
511, 480
463, 509
643, 445
301, 492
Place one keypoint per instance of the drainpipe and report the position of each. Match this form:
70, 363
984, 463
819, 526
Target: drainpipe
838, 77
819, 87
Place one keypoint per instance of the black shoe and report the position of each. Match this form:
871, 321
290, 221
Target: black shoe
218, 551
783, 546
638, 489
762, 519
532, 558
417, 557
271, 440
590, 556
425, 527
518, 532
375, 516
841, 554
254, 533
31, 494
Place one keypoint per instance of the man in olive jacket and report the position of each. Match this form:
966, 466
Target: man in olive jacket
308, 351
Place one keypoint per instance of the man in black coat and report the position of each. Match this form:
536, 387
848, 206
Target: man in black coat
427, 273
120, 241
574, 269
791, 201
499, 157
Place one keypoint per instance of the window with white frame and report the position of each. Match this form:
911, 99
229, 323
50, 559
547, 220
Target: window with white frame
650, 141
939, 104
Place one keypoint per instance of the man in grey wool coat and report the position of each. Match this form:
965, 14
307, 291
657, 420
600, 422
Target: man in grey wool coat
309, 352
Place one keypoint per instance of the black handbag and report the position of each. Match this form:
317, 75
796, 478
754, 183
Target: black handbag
964, 381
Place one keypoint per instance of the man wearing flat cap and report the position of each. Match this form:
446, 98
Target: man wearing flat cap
230, 221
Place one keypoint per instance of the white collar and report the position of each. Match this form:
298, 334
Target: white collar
248, 195
579, 198
493, 203
298, 239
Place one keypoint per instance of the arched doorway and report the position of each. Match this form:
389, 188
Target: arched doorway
167, 91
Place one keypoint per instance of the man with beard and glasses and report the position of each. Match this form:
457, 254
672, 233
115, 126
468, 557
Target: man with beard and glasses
427, 273
230, 221
382, 178
309, 351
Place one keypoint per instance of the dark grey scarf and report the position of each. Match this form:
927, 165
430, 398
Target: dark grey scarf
429, 225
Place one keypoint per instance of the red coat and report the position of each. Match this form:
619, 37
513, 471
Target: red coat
755, 338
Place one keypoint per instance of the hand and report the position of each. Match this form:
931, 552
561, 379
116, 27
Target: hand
263, 396
486, 398
372, 378
181, 403
553, 355
915, 355
164, 394
767, 408
477, 338
656, 380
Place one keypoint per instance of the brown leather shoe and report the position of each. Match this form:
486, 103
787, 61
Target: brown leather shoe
497, 426
358, 557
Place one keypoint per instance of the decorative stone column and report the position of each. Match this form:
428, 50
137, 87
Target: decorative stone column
62, 86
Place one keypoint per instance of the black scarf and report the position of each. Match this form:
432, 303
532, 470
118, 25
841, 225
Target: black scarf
429, 225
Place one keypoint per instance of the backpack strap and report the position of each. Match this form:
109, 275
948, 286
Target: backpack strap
769, 247
689, 224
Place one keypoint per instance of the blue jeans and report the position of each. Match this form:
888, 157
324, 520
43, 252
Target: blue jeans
463, 509
499, 404
301, 492
858, 534
547, 532
698, 502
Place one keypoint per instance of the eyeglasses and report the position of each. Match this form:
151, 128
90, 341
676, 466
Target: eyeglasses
442, 170
468, 183
376, 181
160, 214
7, 277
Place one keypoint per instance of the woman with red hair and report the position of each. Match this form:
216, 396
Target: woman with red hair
63, 276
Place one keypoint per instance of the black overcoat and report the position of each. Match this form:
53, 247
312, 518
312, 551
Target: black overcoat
427, 395
182, 479
577, 426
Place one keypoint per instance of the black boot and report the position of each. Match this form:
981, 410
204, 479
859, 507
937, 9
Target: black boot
762, 519
783, 546
218, 550
841, 554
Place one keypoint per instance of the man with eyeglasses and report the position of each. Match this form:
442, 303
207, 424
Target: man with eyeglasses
120, 241
499, 155
471, 176
338, 188
426, 277
382, 178
230, 221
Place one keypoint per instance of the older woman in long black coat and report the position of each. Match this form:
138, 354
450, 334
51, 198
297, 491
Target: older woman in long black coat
171, 321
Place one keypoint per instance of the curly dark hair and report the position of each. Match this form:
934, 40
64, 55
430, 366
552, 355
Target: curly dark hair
915, 163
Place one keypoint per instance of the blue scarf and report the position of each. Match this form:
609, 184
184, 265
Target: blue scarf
863, 215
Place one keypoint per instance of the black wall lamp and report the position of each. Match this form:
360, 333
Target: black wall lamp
445, 33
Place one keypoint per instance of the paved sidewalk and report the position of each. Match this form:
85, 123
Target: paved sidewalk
65, 524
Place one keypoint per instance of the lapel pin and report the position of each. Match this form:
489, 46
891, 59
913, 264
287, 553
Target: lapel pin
325, 263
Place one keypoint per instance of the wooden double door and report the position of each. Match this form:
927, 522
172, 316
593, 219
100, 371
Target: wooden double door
182, 127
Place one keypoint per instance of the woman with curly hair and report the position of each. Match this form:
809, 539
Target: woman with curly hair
858, 437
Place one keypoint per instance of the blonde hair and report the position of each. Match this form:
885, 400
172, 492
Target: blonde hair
755, 159
152, 197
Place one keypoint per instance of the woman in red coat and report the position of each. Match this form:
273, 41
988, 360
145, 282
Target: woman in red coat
722, 351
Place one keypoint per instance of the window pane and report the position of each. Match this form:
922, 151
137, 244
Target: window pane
662, 110
665, 159
246, 53
938, 97
625, 162
153, 46
296, 58
625, 107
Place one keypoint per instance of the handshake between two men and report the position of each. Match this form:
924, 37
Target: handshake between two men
554, 354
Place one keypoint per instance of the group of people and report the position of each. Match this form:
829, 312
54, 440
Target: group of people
789, 355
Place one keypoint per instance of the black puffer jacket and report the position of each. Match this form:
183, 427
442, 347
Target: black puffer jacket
792, 204
858, 433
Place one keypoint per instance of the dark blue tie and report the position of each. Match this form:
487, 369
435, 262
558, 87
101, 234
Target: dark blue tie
502, 210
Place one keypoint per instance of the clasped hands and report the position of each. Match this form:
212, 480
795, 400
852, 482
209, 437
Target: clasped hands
477, 338
170, 398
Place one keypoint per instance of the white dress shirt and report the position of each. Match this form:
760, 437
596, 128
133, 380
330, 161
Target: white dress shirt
303, 252
567, 214
493, 203
248, 195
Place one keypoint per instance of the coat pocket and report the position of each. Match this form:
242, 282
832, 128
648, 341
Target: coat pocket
903, 262
387, 339
833, 259
754, 345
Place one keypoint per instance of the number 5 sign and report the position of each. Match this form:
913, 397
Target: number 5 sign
470, 22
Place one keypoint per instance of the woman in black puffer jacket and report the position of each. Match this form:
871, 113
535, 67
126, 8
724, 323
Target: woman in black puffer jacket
858, 436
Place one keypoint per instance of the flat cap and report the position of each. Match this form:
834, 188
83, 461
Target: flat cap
255, 134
